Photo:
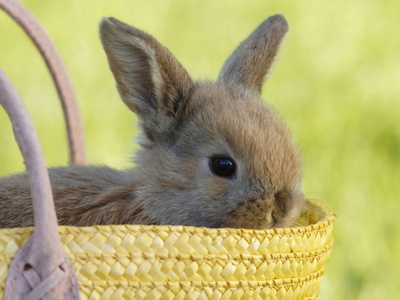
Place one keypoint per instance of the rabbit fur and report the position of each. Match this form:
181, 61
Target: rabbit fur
184, 124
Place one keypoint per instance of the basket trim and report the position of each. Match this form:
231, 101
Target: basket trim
272, 283
211, 257
213, 232
324, 253
292, 256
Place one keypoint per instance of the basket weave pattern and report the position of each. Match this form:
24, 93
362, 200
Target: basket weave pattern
178, 262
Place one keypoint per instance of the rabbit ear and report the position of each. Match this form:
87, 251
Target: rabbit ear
151, 82
250, 63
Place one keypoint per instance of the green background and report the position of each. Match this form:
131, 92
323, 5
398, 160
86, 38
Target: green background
336, 83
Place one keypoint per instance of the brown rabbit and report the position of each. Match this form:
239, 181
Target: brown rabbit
212, 153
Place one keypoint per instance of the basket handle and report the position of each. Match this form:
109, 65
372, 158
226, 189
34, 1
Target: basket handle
40, 270
76, 139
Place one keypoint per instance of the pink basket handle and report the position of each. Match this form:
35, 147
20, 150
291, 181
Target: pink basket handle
35, 31
40, 270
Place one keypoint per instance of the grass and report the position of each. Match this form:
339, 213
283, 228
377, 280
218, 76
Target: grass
336, 84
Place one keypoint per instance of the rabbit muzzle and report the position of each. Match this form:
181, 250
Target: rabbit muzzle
278, 210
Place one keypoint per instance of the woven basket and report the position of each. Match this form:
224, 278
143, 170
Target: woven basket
178, 262
145, 262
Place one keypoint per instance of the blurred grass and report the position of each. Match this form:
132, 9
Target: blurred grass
336, 84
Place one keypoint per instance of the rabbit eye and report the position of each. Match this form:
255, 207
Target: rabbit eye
223, 166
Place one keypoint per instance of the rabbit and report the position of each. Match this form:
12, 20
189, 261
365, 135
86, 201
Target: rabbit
212, 153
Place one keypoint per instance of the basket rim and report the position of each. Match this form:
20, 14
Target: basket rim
325, 222
321, 225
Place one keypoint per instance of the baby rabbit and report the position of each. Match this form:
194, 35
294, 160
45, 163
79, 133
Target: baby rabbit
212, 153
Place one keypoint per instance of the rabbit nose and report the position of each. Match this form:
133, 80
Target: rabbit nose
281, 199
284, 208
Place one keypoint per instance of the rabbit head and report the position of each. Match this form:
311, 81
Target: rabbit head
213, 154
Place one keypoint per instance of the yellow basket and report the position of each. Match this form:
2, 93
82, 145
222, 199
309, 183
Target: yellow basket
178, 262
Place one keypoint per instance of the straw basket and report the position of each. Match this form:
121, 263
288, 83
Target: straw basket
178, 262
146, 262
